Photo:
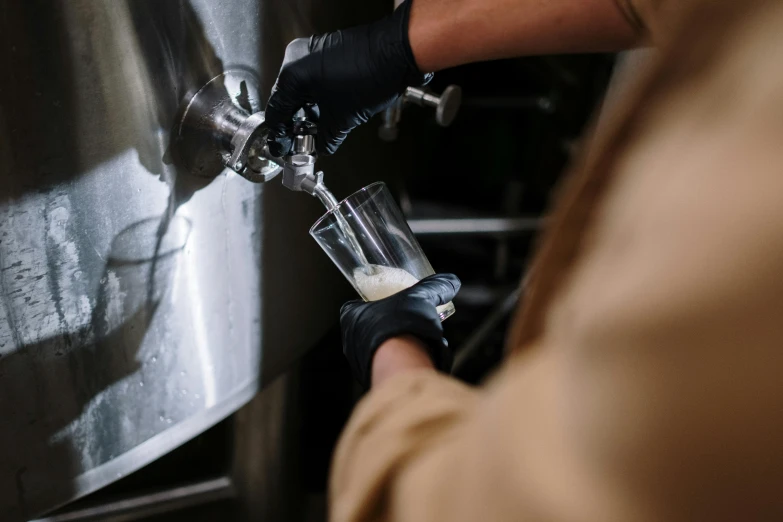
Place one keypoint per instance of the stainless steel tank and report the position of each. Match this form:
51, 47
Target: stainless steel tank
131, 290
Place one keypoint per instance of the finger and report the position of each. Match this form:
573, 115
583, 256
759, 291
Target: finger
288, 93
317, 42
286, 100
330, 137
280, 146
280, 136
283, 104
437, 289
312, 112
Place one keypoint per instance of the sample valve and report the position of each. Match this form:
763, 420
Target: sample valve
222, 127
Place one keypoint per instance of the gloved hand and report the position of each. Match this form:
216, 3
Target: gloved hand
347, 76
366, 326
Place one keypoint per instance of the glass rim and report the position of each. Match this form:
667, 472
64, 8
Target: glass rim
342, 201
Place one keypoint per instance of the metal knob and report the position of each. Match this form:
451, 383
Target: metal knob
446, 108
446, 105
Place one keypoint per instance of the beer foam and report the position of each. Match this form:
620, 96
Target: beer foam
382, 281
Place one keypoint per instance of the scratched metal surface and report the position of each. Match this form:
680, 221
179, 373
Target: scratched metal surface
130, 295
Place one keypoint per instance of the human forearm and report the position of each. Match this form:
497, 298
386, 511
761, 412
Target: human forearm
446, 33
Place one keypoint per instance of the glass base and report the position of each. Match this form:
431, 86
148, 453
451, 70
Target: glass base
446, 311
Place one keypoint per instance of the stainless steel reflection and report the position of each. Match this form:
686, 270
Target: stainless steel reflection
139, 507
475, 226
131, 299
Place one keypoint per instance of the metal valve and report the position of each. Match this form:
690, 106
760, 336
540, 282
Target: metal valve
304, 136
222, 127
446, 108
299, 167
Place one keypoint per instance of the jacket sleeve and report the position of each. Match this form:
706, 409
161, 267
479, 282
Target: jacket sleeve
395, 425
423, 447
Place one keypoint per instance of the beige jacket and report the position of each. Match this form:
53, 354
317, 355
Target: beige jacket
645, 380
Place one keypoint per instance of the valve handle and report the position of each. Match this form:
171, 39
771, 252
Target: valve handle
446, 105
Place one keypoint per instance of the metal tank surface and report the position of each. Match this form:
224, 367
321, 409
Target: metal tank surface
131, 290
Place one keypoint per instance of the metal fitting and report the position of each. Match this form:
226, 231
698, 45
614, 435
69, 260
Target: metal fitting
296, 170
304, 144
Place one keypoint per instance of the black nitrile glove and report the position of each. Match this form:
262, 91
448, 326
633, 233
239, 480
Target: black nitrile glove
349, 76
366, 326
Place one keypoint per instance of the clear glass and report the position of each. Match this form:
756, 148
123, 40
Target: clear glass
368, 238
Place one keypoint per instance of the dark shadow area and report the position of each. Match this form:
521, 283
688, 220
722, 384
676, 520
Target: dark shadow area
327, 396
38, 134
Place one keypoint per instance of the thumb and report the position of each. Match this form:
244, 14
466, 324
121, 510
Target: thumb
437, 289
288, 96
279, 115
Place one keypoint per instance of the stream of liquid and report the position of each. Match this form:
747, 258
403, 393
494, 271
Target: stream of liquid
330, 202
326, 197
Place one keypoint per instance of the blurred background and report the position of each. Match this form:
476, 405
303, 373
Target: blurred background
209, 383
